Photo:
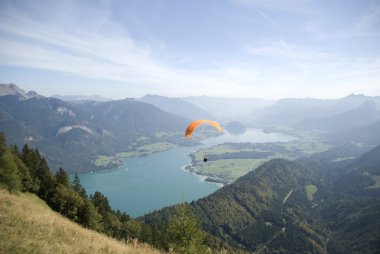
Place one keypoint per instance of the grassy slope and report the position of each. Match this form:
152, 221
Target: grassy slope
28, 225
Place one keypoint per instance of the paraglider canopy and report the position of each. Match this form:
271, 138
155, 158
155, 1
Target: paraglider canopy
192, 126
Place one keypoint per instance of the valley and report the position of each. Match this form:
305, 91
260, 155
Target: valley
229, 161
271, 183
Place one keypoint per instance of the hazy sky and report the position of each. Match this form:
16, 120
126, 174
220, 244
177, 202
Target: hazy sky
233, 48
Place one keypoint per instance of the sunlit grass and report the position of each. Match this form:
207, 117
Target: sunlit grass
28, 225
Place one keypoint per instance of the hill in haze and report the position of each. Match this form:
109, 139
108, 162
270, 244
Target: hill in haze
362, 115
177, 106
368, 134
228, 109
331, 114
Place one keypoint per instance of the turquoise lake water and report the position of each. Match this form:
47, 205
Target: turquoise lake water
145, 184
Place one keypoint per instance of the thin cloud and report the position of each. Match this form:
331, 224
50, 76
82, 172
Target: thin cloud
106, 50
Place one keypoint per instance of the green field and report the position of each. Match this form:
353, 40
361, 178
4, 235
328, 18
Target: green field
307, 143
219, 149
310, 191
104, 161
228, 169
147, 149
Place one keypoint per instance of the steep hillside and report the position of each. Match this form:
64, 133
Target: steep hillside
365, 114
368, 134
57, 128
73, 134
176, 106
285, 207
131, 115
266, 210
28, 225
353, 210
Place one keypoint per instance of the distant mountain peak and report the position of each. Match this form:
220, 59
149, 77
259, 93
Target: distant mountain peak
355, 95
13, 89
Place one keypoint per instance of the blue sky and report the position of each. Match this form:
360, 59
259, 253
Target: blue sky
234, 48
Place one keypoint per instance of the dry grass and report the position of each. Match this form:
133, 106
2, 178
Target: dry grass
28, 225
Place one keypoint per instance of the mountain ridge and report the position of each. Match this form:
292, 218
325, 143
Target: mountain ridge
73, 134
176, 106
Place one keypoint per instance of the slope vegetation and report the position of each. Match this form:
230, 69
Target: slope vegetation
288, 207
28, 225
267, 210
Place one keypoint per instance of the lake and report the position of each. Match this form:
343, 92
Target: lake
145, 184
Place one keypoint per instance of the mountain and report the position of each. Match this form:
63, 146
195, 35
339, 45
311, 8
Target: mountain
289, 111
133, 117
306, 112
228, 109
73, 134
80, 97
353, 210
28, 225
12, 89
265, 210
288, 207
365, 114
58, 129
176, 106
368, 134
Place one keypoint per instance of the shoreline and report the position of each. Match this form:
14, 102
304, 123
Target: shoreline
205, 178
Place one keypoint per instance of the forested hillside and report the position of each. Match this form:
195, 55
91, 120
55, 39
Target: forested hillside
289, 207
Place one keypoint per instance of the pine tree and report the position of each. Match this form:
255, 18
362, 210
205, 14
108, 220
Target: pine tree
89, 217
9, 174
62, 177
184, 233
27, 183
101, 203
78, 186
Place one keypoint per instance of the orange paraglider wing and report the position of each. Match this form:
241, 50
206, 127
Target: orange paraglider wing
192, 126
